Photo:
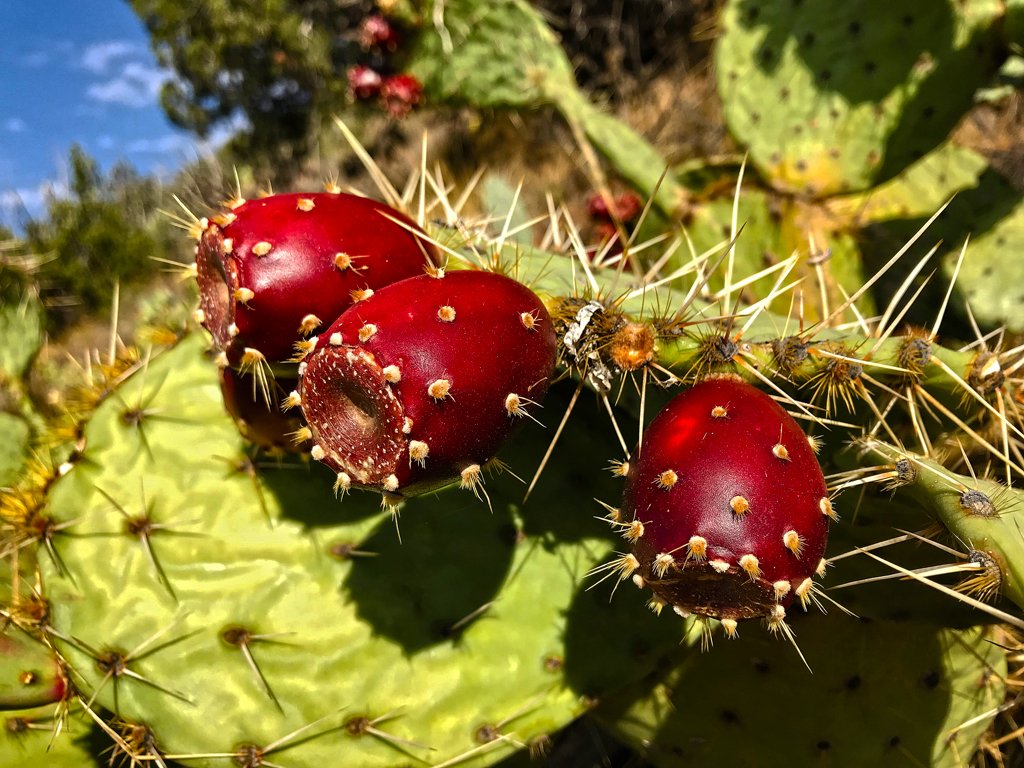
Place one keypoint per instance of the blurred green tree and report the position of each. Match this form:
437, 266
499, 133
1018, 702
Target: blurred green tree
271, 65
103, 231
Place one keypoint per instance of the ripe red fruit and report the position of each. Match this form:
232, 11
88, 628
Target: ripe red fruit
377, 32
626, 208
419, 385
364, 83
274, 270
726, 506
399, 94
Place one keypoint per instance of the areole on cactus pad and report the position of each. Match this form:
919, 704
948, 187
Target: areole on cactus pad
417, 386
726, 506
274, 270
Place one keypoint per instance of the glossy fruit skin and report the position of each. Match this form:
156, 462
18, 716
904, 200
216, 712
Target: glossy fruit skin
720, 439
429, 361
270, 267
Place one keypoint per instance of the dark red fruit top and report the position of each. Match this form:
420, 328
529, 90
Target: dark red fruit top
726, 464
427, 378
279, 268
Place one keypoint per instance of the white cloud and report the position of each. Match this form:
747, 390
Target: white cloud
136, 86
35, 59
15, 125
98, 57
15, 203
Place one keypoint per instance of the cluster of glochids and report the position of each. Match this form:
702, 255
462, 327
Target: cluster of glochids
375, 79
408, 377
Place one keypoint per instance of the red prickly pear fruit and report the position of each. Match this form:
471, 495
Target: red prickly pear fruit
399, 94
418, 386
626, 208
377, 32
262, 424
364, 83
726, 506
274, 270
30, 674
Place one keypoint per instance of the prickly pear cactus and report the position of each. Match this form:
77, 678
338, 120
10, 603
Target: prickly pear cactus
981, 208
503, 54
241, 611
21, 335
991, 215
14, 439
918, 191
458, 60
833, 99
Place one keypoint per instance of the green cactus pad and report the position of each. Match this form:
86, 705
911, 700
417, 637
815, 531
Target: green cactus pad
991, 280
14, 437
918, 191
986, 209
491, 54
503, 54
837, 98
21, 336
27, 738
450, 643
882, 693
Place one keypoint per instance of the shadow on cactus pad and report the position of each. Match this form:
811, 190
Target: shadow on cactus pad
305, 494
628, 632
882, 693
449, 565
562, 506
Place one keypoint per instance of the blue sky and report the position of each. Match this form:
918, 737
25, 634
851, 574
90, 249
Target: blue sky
77, 71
